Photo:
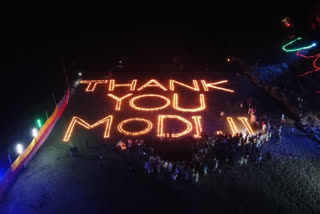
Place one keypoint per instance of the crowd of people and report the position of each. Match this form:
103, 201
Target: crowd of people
210, 154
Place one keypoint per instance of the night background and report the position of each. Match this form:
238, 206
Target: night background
40, 40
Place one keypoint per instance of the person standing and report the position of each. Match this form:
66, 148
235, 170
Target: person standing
245, 161
165, 165
196, 177
174, 176
186, 176
205, 169
259, 159
292, 131
279, 131
241, 161
170, 167
264, 128
215, 164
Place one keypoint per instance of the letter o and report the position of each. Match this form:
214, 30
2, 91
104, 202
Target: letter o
145, 131
149, 109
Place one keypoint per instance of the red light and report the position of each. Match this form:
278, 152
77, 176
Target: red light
316, 68
228, 60
287, 25
317, 92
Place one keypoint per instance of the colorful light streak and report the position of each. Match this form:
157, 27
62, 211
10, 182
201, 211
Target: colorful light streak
197, 121
284, 47
132, 85
316, 68
92, 84
195, 85
133, 105
206, 86
145, 131
118, 103
77, 120
152, 83
246, 124
175, 104
160, 125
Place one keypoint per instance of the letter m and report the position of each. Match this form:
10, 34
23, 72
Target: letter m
77, 120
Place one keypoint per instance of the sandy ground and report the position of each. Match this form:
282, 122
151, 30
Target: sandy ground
54, 182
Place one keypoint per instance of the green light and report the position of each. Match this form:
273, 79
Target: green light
39, 123
296, 49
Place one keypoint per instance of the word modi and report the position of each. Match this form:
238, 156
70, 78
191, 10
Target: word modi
192, 124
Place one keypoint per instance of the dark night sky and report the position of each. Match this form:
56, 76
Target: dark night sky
36, 35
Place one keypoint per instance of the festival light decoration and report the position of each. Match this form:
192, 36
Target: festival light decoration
92, 84
246, 124
77, 120
175, 104
145, 131
206, 86
132, 85
160, 125
173, 84
198, 126
39, 123
195, 85
316, 68
284, 47
34, 132
19, 148
232, 125
118, 103
133, 105
152, 83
